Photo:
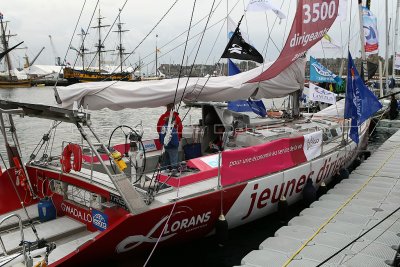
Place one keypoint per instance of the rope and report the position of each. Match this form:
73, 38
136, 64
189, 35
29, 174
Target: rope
165, 225
373, 227
144, 38
197, 53
70, 42
336, 212
84, 38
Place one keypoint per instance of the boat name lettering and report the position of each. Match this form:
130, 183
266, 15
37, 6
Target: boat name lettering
188, 222
83, 216
261, 197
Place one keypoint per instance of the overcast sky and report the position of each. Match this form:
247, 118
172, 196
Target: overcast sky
34, 20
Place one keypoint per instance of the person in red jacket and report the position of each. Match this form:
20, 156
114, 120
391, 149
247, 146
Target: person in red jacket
170, 157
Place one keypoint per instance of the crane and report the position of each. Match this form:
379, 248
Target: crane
27, 63
57, 58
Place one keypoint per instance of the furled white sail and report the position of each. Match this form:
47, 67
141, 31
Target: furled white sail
120, 95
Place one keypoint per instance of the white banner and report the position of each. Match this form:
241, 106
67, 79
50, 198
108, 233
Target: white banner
312, 145
264, 5
316, 93
397, 62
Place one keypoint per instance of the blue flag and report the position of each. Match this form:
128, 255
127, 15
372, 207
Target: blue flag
256, 106
319, 73
232, 68
360, 103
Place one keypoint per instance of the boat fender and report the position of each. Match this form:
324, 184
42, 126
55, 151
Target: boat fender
344, 173
221, 230
396, 261
309, 192
118, 160
356, 163
283, 209
367, 154
322, 189
69, 150
20, 174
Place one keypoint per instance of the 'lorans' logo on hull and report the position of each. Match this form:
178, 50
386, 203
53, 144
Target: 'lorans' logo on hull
165, 228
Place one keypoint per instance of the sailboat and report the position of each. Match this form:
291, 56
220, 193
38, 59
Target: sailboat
116, 200
9, 78
74, 75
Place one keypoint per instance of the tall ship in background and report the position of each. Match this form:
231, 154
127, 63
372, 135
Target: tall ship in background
91, 74
9, 77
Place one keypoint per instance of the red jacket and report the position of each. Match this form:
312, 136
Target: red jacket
164, 119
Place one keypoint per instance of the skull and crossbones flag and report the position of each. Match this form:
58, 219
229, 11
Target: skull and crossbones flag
237, 48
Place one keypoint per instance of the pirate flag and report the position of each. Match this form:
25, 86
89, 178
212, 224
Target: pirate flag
237, 48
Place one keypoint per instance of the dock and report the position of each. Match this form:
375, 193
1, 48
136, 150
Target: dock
357, 223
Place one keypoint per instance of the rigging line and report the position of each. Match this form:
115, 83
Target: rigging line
269, 32
19, 197
172, 49
70, 42
245, 20
108, 33
322, 226
175, 38
284, 33
154, 27
353, 241
209, 76
208, 57
87, 29
183, 58
144, 38
197, 53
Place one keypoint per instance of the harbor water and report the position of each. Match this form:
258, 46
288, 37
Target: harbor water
204, 252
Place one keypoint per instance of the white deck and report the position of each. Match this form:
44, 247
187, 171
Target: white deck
51, 231
31, 210
370, 194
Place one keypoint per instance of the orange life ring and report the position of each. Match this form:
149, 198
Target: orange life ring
70, 149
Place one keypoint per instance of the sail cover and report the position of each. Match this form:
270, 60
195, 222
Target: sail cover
120, 95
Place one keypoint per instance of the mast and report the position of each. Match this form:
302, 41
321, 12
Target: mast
387, 45
120, 48
100, 45
156, 73
396, 36
4, 41
364, 65
82, 49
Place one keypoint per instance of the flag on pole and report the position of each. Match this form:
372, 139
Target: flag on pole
237, 48
319, 73
232, 68
360, 103
316, 93
82, 31
370, 32
264, 5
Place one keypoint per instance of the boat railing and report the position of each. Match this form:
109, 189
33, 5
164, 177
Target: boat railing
21, 231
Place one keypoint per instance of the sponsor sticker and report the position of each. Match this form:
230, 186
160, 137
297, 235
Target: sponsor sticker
100, 220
